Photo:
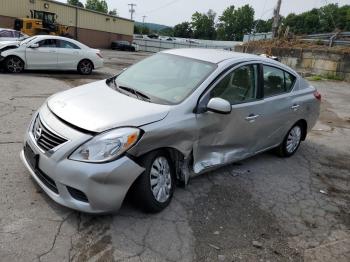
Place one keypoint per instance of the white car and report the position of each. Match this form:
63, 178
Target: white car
49, 53
11, 35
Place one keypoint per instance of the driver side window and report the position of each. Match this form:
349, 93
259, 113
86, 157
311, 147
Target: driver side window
47, 43
239, 86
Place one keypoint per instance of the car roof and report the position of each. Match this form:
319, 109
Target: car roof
7, 29
217, 56
209, 55
39, 37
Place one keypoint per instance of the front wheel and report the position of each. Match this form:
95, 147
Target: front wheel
155, 187
85, 67
291, 141
14, 64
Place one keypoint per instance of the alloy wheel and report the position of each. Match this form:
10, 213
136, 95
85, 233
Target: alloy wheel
85, 67
14, 65
160, 178
293, 140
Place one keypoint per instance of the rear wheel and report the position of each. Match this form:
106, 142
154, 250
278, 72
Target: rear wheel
85, 67
14, 64
155, 187
291, 141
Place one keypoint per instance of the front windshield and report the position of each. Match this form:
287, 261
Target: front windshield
166, 77
28, 40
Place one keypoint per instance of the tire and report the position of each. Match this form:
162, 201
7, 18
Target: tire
14, 64
291, 141
85, 67
159, 171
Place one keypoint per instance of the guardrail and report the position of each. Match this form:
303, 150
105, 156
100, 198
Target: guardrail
331, 39
156, 45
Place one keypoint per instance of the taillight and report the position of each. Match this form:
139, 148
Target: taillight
317, 95
99, 55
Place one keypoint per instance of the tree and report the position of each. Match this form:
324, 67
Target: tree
183, 30
141, 30
323, 20
168, 31
262, 26
97, 5
75, 3
203, 25
234, 23
113, 12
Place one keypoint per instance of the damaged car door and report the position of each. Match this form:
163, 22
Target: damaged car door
224, 138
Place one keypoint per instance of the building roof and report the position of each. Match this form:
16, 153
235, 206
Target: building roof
60, 3
209, 55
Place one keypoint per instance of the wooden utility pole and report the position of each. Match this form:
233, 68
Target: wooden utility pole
132, 10
143, 23
276, 19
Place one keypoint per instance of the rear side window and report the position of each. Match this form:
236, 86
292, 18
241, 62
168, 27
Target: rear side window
277, 81
66, 44
289, 81
6, 33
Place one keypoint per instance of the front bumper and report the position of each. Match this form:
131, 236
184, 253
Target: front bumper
104, 185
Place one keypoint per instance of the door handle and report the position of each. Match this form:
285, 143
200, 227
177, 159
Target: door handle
295, 107
52, 51
251, 117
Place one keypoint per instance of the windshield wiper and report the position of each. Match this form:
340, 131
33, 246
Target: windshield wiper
135, 92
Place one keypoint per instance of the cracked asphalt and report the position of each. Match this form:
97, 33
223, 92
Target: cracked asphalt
262, 209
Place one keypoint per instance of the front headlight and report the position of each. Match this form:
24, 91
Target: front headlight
107, 146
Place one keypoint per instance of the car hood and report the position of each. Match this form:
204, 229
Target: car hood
8, 43
96, 107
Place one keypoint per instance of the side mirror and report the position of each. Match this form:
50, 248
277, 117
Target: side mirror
36, 45
219, 105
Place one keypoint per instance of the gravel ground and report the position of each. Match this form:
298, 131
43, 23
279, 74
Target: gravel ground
262, 209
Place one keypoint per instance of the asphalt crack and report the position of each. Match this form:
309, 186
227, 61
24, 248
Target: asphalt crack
55, 237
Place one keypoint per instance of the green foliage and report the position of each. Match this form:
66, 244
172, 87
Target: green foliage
322, 20
97, 5
168, 31
75, 3
315, 78
113, 12
183, 30
262, 26
203, 25
139, 29
234, 23
328, 76
334, 77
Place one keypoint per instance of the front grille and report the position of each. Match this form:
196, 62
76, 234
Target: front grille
49, 182
77, 194
45, 138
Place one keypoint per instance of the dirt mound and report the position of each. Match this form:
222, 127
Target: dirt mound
267, 45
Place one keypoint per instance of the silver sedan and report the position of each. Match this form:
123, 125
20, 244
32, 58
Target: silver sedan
171, 116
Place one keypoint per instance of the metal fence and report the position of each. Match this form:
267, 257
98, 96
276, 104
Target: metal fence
256, 37
156, 45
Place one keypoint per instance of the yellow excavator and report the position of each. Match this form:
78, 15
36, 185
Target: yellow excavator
41, 23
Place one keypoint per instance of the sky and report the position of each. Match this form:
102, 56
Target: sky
172, 12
